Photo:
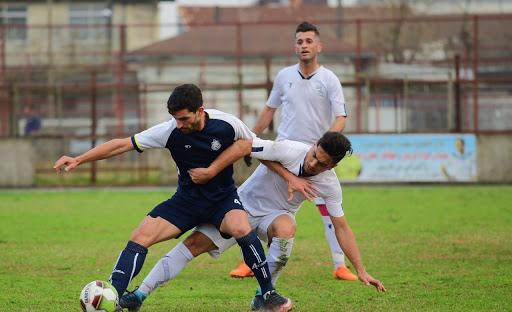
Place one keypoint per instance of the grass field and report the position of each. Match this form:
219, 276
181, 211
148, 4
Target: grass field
435, 248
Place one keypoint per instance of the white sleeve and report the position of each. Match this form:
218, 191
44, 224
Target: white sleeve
271, 150
336, 96
241, 130
154, 137
334, 201
274, 99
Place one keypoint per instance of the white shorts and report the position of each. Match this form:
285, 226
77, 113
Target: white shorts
258, 224
319, 201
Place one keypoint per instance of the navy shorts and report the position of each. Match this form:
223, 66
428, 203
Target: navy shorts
185, 215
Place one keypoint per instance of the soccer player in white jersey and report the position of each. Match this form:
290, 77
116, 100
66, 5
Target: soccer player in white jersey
195, 137
270, 214
310, 96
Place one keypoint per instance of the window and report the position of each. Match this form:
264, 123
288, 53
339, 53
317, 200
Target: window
15, 18
89, 21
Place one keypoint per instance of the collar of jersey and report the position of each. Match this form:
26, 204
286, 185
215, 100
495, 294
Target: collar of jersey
311, 76
303, 173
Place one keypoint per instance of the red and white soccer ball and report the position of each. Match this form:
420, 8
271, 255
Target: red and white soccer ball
99, 296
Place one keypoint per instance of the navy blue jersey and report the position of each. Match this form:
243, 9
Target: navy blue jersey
197, 150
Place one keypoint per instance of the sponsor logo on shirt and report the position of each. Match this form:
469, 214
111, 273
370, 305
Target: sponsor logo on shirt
216, 145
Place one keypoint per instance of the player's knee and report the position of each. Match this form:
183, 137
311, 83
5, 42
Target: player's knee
285, 232
284, 227
142, 237
240, 231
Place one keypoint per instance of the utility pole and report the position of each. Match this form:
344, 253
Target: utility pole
339, 12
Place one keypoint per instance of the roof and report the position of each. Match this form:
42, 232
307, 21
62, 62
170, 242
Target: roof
284, 14
257, 40
265, 30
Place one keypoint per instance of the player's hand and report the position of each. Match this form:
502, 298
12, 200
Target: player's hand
301, 185
200, 175
69, 162
247, 160
368, 280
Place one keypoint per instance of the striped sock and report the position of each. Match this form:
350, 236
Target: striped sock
254, 257
128, 265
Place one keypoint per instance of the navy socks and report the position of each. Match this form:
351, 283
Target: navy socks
128, 265
254, 257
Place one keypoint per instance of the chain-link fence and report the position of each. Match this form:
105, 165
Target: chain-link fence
399, 75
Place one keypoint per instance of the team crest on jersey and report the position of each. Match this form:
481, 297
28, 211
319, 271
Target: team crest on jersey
216, 145
320, 89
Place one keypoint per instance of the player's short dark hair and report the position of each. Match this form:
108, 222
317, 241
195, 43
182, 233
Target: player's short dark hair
336, 145
307, 26
185, 96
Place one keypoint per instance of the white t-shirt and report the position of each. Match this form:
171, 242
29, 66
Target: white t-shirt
309, 103
265, 191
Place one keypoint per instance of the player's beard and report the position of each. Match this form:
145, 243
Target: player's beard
194, 126
309, 58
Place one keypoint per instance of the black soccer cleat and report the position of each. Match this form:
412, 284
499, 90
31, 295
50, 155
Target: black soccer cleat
258, 303
276, 302
130, 301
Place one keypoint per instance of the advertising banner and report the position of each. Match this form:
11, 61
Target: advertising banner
410, 158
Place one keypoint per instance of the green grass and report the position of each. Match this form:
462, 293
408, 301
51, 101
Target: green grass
123, 175
435, 248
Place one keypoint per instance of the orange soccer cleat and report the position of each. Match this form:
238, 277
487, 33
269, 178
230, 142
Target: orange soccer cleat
242, 271
343, 273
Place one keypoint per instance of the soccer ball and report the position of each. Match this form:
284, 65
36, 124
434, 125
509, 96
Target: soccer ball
99, 296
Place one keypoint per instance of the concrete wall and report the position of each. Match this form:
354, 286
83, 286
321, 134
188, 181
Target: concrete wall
17, 168
494, 161
494, 158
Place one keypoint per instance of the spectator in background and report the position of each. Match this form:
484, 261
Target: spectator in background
33, 121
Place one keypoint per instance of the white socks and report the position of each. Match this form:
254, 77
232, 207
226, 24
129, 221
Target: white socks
167, 268
277, 256
338, 257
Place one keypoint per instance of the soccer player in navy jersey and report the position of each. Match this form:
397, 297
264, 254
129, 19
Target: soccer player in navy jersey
195, 137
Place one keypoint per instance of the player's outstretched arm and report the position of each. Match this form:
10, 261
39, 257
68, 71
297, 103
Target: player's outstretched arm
348, 244
231, 154
103, 151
